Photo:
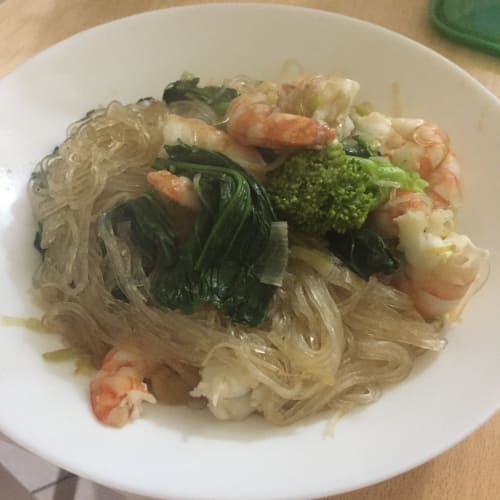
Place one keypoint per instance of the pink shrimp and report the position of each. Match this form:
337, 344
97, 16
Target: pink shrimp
118, 389
400, 202
257, 118
441, 265
195, 132
177, 188
417, 145
426, 149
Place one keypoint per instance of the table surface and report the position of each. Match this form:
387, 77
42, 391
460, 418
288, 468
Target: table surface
470, 470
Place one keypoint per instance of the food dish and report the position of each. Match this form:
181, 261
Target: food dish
250, 246
446, 77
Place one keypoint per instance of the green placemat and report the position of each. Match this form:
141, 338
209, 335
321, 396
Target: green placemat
472, 22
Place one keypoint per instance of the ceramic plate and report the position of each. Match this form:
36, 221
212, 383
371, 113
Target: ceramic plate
179, 453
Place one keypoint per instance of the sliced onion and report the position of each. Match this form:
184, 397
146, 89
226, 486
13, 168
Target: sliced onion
276, 252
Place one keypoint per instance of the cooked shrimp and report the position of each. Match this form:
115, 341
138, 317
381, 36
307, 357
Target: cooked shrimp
255, 119
328, 99
417, 145
441, 265
177, 188
400, 202
118, 389
196, 132
300, 114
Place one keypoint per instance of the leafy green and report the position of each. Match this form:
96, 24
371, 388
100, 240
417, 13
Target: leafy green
219, 262
245, 212
363, 251
149, 229
217, 97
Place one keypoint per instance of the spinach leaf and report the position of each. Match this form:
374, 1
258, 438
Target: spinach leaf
219, 262
237, 291
245, 212
363, 251
149, 229
218, 97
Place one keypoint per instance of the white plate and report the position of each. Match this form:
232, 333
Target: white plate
178, 453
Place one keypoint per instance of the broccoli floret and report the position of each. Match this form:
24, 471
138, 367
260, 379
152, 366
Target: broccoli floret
321, 190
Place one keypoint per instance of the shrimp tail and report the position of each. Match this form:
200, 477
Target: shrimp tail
118, 389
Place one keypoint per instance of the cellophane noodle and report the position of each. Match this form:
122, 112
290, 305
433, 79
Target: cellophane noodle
331, 341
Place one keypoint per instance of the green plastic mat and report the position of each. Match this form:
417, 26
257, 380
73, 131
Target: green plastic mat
472, 22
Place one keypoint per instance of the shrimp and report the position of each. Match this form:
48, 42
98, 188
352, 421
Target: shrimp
441, 265
196, 132
118, 389
299, 114
255, 119
417, 145
328, 99
177, 188
399, 202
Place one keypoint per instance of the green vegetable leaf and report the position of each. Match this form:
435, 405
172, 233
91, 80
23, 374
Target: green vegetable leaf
237, 291
384, 174
245, 211
218, 97
220, 262
363, 251
149, 229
